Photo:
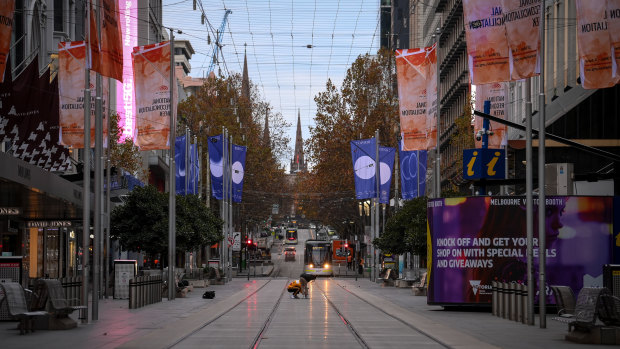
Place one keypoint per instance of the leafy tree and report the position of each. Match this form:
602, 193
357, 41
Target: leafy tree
219, 103
366, 102
405, 231
462, 138
125, 155
141, 223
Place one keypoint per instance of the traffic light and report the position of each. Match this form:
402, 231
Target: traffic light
346, 245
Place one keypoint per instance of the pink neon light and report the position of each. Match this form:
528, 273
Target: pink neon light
125, 98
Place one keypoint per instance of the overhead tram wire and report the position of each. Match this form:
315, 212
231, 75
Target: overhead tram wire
275, 64
311, 56
260, 78
332, 44
234, 47
293, 52
354, 31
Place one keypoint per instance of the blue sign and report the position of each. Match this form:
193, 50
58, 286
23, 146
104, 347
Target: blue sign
413, 173
484, 163
363, 153
238, 171
216, 163
386, 165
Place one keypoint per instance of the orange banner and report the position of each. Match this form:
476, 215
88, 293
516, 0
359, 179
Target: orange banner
7, 9
151, 72
431, 97
496, 93
72, 62
487, 46
107, 57
613, 22
596, 64
412, 73
522, 20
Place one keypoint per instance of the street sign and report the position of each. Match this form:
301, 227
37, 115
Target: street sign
483, 163
237, 241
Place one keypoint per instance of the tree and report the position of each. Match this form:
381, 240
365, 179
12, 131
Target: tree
366, 102
124, 155
406, 230
461, 138
219, 103
141, 223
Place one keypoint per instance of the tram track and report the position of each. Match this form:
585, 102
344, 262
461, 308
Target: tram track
438, 341
358, 337
224, 313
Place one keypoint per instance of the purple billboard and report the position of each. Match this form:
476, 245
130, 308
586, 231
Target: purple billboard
477, 240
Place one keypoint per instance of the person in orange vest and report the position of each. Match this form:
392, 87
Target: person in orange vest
295, 288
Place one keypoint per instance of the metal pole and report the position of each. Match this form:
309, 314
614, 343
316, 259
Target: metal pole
171, 180
86, 179
98, 209
224, 253
108, 209
485, 136
377, 183
371, 262
396, 179
208, 183
438, 148
198, 158
541, 178
230, 206
529, 186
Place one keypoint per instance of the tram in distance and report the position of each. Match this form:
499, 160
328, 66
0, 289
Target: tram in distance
291, 236
318, 258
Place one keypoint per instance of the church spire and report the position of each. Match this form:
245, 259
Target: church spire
245, 82
297, 163
266, 135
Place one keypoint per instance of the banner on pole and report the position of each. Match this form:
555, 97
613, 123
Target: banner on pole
7, 10
496, 93
521, 19
71, 65
386, 166
238, 171
107, 53
216, 164
363, 153
151, 70
413, 173
487, 46
194, 169
597, 66
180, 170
412, 74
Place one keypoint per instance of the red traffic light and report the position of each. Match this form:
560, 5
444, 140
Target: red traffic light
346, 245
249, 241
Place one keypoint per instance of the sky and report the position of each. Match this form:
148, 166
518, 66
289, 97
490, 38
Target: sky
275, 34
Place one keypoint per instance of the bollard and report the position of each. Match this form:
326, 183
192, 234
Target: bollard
524, 303
519, 305
494, 298
505, 303
513, 301
500, 298
132, 296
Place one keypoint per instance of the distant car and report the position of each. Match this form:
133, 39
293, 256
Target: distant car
289, 253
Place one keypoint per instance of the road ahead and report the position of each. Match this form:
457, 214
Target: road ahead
290, 269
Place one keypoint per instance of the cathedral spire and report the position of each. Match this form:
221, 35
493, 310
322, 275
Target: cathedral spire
297, 163
266, 135
245, 82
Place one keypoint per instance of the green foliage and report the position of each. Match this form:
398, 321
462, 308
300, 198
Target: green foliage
141, 223
405, 231
125, 155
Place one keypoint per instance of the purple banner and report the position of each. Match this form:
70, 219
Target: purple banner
477, 240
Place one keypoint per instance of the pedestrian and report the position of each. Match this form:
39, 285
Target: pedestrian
349, 260
295, 287
360, 269
304, 279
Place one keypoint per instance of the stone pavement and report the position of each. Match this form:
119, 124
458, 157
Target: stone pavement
160, 325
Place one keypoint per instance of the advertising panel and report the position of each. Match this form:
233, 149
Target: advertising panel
125, 104
477, 240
